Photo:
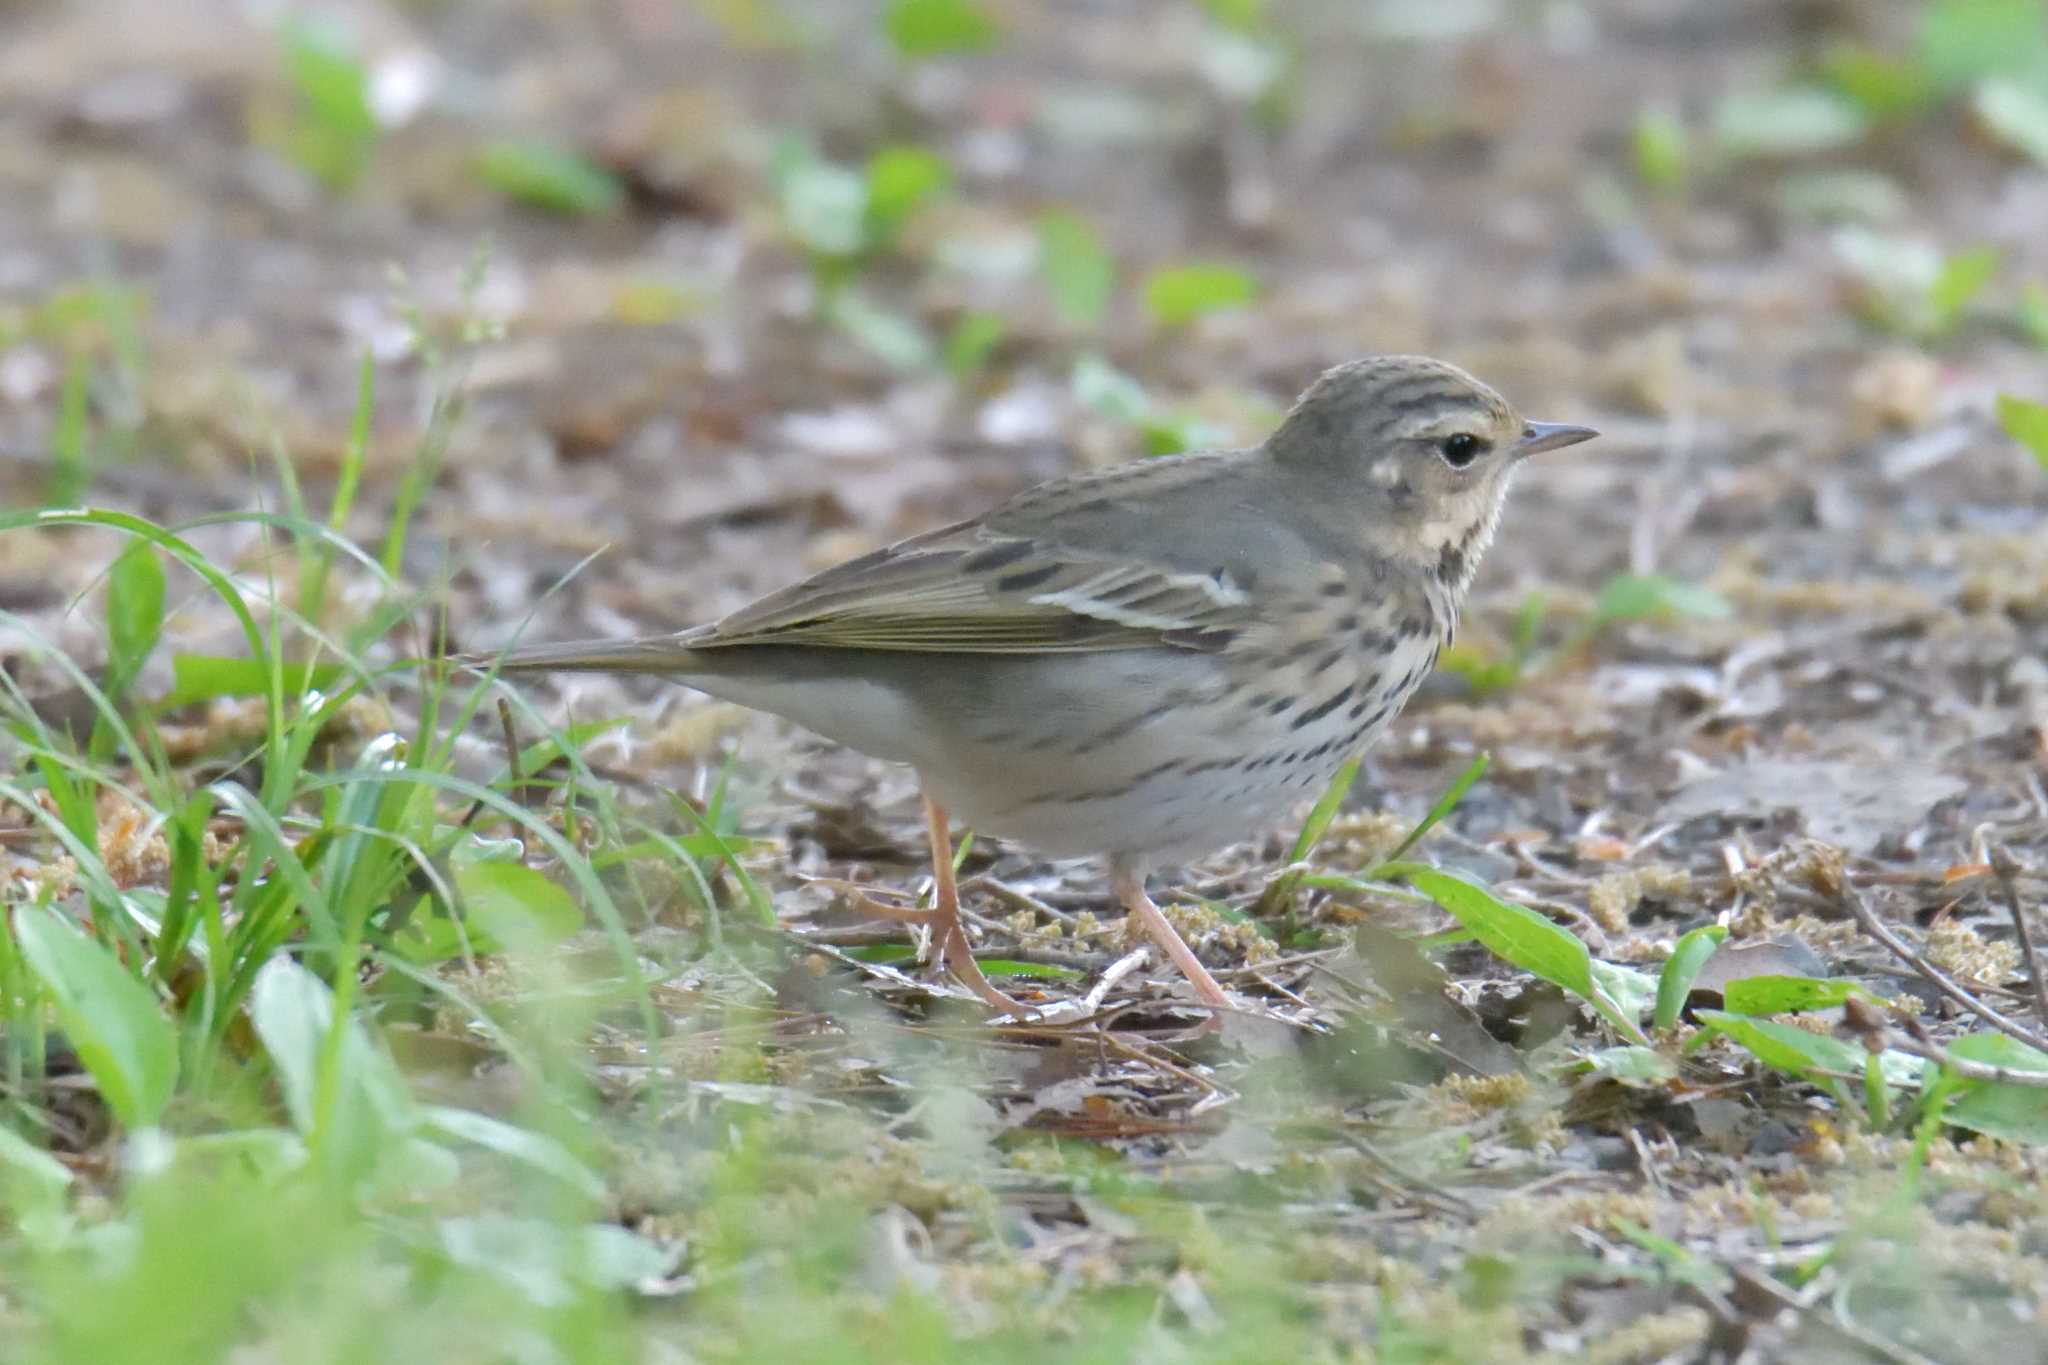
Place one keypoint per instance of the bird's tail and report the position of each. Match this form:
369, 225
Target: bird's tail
646, 654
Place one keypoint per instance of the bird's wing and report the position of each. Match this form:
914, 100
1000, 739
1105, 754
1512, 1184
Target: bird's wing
1010, 583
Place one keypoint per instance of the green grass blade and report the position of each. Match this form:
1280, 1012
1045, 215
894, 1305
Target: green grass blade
1325, 811
1674, 983
1445, 804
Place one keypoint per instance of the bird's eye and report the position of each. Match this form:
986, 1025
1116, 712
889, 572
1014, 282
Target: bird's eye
1461, 449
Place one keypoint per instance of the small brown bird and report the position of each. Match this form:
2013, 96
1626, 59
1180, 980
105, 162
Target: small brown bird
1146, 662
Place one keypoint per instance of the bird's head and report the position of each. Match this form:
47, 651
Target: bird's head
1416, 450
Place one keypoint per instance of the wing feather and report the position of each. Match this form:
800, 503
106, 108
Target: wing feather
970, 589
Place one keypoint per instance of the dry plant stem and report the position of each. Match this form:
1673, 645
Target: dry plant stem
1849, 900
1118, 970
1406, 1184
2008, 873
1764, 1286
1975, 1071
1131, 891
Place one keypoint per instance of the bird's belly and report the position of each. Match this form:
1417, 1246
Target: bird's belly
1148, 754
1165, 818
1204, 774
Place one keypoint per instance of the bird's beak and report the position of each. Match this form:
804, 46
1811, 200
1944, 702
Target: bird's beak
1539, 436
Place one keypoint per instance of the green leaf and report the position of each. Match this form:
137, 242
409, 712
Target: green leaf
1520, 936
1768, 995
550, 177
331, 81
1048, 971
1244, 67
2016, 114
896, 339
1791, 122
1101, 387
1635, 597
1633, 1064
1633, 992
927, 28
1484, 674
1076, 268
973, 339
824, 206
512, 904
31, 1180
1961, 278
2017, 1113
1177, 295
2026, 422
898, 180
114, 1021
1165, 436
135, 613
1512, 932
1786, 1047
1659, 145
2033, 313
1887, 87
1962, 40
528, 1148
883, 953
334, 130
1842, 194
1243, 15
1910, 286
290, 1009
1674, 983
204, 677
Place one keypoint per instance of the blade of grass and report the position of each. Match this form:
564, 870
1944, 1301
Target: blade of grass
1683, 968
1445, 804
313, 576
70, 463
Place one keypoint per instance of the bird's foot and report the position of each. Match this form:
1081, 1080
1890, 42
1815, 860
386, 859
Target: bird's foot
1131, 891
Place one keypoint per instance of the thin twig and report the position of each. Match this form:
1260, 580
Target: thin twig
1849, 900
1023, 900
1969, 1070
881, 971
1141, 1051
1407, 1183
1762, 1284
2007, 871
1116, 972
515, 781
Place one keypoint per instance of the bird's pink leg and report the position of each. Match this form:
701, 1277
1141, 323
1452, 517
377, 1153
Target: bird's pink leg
946, 925
1130, 889
943, 918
